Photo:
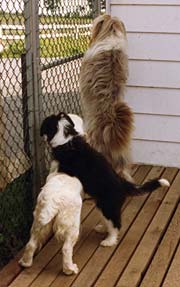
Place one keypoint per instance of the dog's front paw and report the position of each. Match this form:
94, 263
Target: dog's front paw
25, 263
72, 269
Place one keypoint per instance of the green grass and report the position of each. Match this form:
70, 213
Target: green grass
13, 49
13, 32
18, 19
49, 47
15, 216
15, 18
63, 47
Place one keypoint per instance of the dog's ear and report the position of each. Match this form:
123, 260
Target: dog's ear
62, 115
118, 25
97, 26
48, 124
96, 30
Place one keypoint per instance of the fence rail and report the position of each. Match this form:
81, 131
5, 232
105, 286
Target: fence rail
78, 29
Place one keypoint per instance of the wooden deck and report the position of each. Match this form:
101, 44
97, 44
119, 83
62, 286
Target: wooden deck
147, 254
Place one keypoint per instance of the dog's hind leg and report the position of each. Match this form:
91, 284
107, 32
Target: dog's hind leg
39, 235
67, 250
112, 236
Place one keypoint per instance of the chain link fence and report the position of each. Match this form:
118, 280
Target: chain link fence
15, 163
41, 47
67, 31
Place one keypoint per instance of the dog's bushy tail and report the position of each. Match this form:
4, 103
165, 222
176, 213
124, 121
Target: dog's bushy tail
147, 187
118, 126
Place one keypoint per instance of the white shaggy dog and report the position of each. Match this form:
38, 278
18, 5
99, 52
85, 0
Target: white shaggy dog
58, 209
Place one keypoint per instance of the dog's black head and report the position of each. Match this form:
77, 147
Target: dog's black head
57, 128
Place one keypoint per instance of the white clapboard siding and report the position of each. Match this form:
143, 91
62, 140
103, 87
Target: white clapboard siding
158, 19
148, 127
154, 101
149, 46
157, 153
153, 90
154, 74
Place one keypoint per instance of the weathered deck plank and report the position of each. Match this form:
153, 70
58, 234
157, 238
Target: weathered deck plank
173, 276
143, 254
160, 263
147, 254
125, 250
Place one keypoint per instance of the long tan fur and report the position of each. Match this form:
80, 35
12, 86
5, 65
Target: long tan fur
104, 72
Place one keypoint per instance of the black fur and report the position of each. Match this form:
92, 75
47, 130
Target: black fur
49, 126
77, 158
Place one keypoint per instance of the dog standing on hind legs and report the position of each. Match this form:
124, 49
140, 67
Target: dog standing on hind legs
104, 72
77, 158
57, 210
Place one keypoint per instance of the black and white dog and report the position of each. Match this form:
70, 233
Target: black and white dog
77, 158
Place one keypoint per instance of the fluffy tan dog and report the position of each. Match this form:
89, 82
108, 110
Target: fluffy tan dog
104, 72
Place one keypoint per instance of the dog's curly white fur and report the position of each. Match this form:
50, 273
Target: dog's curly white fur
57, 210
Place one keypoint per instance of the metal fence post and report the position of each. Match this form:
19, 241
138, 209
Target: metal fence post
26, 138
33, 73
96, 8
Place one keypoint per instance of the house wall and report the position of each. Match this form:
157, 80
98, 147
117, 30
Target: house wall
153, 91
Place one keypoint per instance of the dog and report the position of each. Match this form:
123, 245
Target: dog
104, 72
57, 210
79, 127
77, 158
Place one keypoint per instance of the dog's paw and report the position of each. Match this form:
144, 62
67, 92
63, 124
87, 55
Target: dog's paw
100, 228
108, 242
25, 263
69, 270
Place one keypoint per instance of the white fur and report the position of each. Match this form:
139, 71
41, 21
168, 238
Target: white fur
59, 138
112, 237
164, 182
78, 122
110, 43
53, 168
58, 209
